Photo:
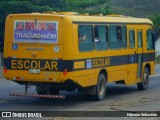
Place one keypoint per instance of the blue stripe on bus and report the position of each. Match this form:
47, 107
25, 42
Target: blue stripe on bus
61, 65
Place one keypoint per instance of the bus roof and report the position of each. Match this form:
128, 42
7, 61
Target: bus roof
111, 20
97, 18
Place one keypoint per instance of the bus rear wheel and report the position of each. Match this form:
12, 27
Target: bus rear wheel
54, 91
144, 84
43, 90
101, 88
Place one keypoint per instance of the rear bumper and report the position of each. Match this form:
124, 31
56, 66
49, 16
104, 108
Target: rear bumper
25, 76
52, 79
38, 96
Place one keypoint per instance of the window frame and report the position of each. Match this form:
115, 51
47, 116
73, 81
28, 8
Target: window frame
140, 31
147, 39
106, 36
116, 26
86, 33
132, 30
125, 36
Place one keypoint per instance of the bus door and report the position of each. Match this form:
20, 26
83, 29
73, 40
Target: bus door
132, 59
139, 53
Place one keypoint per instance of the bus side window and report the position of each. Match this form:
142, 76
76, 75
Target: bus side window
124, 37
139, 39
119, 33
101, 39
150, 45
115, 37
132, 38
85, 36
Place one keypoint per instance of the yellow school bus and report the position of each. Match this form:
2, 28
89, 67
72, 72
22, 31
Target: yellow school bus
67, 51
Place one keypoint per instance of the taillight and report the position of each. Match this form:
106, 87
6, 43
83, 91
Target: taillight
18, 78
50, 78
65, 72
4, 69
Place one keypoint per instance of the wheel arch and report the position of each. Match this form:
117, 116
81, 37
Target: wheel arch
148, 66
105, 73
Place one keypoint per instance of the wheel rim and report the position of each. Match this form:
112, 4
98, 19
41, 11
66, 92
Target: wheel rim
146, 80
101, 88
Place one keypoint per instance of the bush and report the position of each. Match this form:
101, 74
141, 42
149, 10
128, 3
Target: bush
158, 59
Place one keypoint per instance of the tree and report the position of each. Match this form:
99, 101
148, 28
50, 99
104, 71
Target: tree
14, 6
28, 6
156, 20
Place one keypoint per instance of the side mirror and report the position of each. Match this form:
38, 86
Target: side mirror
154, 36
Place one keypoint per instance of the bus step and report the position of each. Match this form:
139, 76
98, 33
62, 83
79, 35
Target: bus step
38, 96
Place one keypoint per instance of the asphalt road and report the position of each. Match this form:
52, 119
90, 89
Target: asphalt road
118, 98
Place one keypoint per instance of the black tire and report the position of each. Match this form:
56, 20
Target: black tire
40, 92
43, 90
101, 88
54, 91
144, 84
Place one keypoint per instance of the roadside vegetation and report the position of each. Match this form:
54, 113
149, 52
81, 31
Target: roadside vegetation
158, 59
28, 6
81, 6
156, 21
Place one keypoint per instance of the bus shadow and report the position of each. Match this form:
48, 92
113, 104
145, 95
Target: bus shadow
75, 98
116, 90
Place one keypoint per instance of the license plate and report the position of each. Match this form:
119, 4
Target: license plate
34, 71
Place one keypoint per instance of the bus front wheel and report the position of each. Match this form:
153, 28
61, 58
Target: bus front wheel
144, 84
101, 88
